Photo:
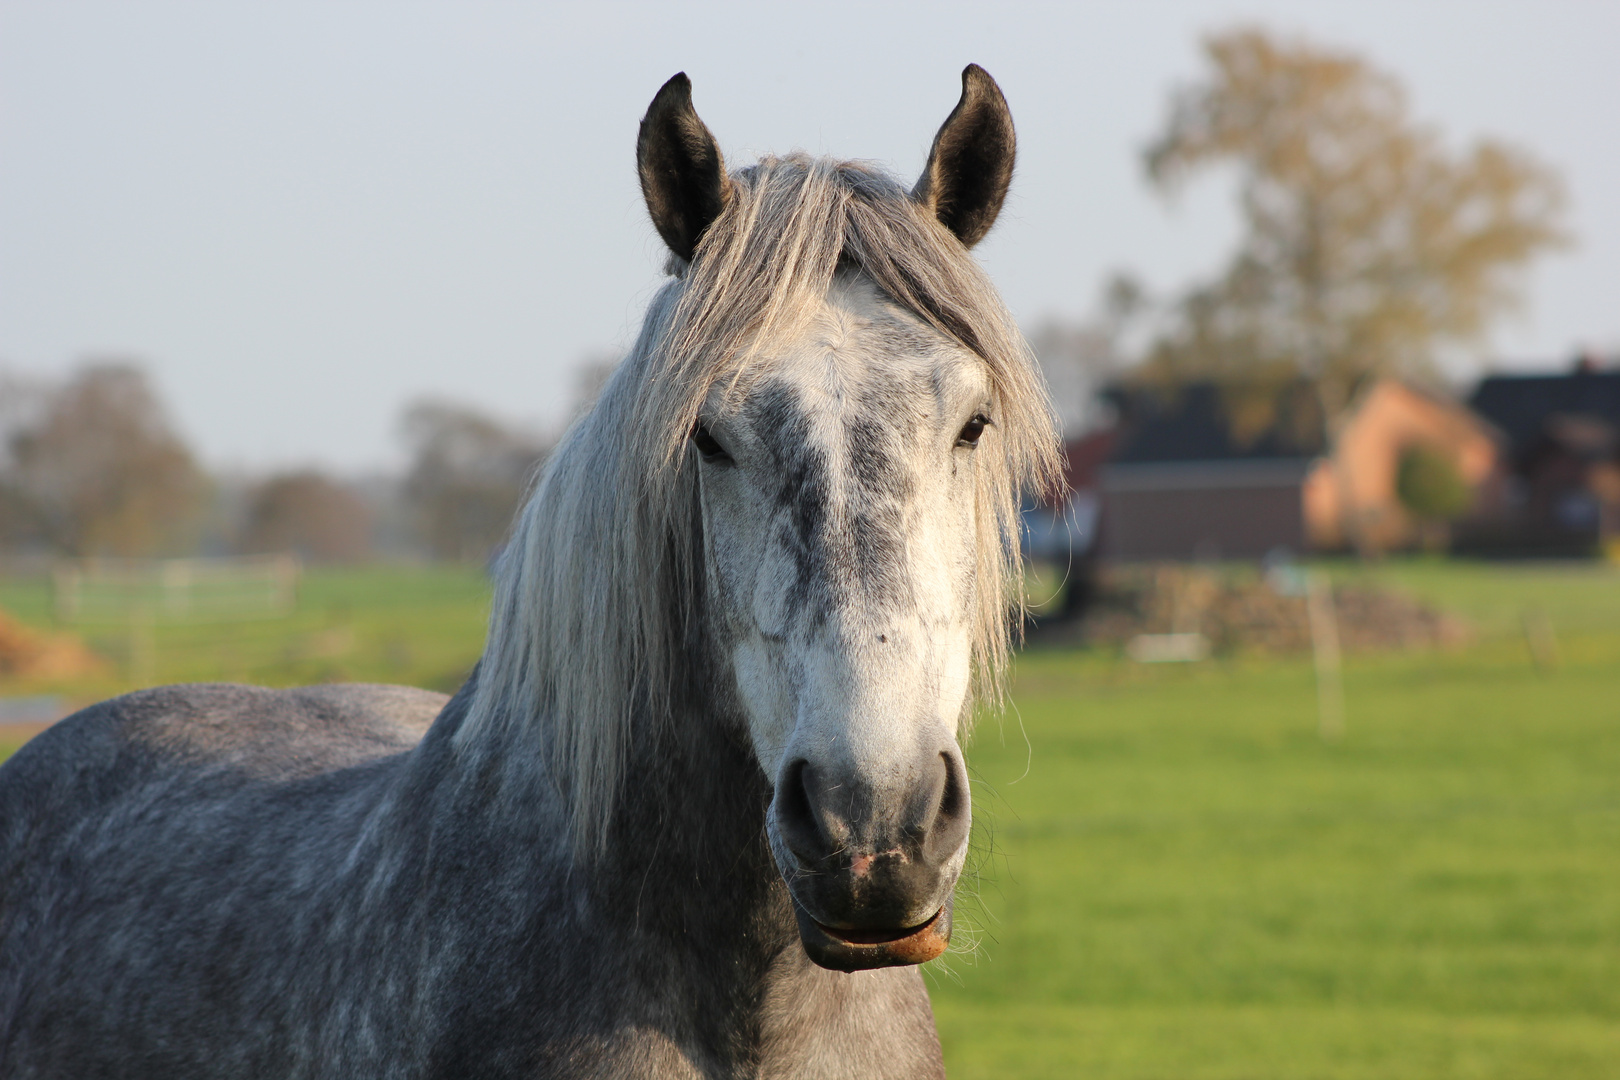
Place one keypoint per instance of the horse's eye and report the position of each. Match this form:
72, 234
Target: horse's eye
708, 445
972, 430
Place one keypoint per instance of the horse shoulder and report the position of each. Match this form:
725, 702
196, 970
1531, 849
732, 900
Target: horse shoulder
237, 808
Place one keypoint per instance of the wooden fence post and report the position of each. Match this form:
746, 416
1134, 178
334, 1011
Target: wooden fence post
1325, 648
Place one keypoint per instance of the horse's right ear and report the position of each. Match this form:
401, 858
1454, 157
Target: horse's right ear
971, 163
683, 177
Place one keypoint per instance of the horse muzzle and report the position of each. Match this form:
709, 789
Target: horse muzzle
871, 868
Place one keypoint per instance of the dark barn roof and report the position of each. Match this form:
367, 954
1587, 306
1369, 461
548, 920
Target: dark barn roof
1522, 405
1194, 423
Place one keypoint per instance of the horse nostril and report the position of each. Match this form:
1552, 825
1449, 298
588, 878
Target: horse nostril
796, 816
952, 814
953, 800
823, 818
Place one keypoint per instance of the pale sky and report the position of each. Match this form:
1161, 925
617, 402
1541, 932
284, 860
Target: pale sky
302, 215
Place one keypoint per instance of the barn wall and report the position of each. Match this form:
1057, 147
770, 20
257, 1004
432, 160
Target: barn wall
1205, 510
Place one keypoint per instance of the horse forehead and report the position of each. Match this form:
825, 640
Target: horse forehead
862, 373
822, 416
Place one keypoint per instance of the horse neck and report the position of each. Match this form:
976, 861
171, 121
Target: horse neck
688, 831
685, 893
685, 843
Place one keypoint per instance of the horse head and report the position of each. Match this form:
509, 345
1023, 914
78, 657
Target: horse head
851, 466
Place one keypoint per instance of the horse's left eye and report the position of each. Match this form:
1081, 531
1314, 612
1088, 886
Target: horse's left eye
972, 430
708, 445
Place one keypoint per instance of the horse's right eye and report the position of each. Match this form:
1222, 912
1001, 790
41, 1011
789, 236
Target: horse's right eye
708, 445
971, 431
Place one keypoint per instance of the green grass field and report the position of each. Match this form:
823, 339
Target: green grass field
1175, 877
1179, 879
417, 625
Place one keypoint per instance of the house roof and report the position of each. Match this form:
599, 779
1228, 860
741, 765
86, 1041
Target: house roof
1522, 405
1195, 422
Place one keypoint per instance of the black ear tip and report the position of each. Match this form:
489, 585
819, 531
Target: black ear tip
977, 84
675, 91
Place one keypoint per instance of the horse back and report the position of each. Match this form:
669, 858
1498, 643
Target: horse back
170, 735
221, 795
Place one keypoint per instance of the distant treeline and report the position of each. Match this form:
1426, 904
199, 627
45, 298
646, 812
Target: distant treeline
93, 466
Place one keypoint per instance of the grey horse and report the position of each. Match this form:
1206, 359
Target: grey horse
700, 809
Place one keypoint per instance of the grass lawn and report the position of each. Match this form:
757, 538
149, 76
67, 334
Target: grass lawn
416, 625
422, 625
1178, 879
1175, 877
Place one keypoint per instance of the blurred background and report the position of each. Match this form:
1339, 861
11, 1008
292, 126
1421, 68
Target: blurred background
1312, 762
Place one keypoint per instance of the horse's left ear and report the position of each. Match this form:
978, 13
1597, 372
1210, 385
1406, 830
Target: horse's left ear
683, 177
971, 163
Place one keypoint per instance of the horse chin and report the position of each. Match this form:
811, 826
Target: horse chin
862, 950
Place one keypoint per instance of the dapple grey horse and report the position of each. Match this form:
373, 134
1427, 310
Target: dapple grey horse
700, 808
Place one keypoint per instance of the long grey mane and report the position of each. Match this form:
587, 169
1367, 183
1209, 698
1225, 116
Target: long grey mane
597, 596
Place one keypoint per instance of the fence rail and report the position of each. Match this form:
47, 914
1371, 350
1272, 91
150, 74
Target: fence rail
175, 590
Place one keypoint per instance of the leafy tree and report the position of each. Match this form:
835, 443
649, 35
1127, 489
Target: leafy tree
1429, 485
468, 474
309, 514
97, 469
1368, 243
1078, 357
